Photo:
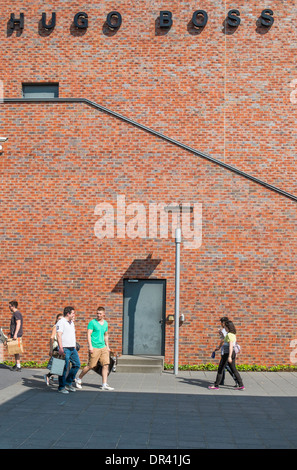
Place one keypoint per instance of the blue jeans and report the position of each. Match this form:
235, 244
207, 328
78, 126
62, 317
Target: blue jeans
71, 355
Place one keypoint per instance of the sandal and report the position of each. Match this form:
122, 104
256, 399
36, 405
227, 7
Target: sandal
213, 387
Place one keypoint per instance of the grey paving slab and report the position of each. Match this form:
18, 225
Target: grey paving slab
149, 411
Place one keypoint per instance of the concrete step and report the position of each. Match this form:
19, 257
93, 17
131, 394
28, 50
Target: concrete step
140, 364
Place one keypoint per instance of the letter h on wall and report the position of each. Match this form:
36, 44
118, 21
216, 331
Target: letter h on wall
13, 22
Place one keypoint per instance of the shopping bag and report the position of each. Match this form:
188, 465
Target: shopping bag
98, 366
50, 362
15, 346
58, 365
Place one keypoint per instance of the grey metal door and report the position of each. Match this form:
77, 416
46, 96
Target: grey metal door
144, 317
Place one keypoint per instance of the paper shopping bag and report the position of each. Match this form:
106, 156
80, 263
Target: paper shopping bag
15, 346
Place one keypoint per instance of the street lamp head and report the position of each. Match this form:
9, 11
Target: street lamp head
2, 139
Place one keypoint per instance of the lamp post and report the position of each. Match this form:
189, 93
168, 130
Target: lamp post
176, 306
179, 209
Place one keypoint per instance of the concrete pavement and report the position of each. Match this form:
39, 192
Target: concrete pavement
149, 411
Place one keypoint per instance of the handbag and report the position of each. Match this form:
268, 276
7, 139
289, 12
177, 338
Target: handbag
50, 362
15, 346
57, 366
98, 367
237, 348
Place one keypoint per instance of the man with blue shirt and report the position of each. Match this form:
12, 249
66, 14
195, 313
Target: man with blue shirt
98, 342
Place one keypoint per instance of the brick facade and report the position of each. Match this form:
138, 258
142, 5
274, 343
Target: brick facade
226, 92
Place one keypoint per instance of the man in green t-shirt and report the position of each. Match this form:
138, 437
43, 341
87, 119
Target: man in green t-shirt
98, 342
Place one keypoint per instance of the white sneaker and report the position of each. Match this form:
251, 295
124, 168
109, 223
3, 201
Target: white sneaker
63, 390
78, 383
70, 388
106, 387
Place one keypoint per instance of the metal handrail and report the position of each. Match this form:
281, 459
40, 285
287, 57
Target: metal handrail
158, 134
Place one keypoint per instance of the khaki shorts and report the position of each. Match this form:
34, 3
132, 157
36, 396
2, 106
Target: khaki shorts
99, 354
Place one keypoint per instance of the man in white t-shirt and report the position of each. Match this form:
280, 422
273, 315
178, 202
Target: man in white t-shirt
67, 347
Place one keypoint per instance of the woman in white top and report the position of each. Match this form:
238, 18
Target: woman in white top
228, 356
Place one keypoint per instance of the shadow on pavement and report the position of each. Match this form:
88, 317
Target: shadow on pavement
40, 417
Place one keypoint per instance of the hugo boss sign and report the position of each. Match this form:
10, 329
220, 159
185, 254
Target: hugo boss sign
114, 20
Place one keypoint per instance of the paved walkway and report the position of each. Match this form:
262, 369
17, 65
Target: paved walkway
149, 411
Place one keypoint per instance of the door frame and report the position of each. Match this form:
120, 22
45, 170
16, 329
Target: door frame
163, 320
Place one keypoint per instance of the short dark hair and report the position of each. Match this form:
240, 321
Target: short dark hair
231, 327
14, 303
68, 310
101, 309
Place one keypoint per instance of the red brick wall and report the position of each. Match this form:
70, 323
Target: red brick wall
225, 94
